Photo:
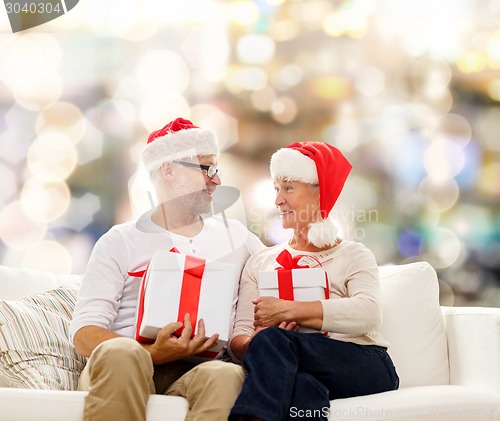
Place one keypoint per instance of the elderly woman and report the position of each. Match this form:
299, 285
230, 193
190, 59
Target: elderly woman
291, 374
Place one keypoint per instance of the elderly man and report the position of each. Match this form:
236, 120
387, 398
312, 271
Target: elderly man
121, 373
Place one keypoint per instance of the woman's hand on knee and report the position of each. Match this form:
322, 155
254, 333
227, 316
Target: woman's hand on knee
293, 326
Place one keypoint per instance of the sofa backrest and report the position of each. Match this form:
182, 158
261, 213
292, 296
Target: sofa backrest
413, 321
19, 282
413, 324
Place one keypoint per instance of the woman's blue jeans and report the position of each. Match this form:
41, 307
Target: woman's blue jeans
293, 375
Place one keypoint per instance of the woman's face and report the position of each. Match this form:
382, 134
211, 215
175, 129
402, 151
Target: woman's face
298, 203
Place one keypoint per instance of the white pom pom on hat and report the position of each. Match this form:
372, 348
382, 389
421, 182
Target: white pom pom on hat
178, 139
315, 163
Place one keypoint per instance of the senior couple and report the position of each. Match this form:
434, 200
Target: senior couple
269, 367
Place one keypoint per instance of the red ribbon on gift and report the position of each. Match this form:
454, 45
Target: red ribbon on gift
285, 281
190, 295
140, 309
190, 291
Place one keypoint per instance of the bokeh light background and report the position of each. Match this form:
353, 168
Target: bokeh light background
409, 90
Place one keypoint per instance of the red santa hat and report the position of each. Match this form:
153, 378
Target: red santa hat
315, 163
177, 140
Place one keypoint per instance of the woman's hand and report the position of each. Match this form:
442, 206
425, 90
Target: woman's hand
239, 344
270, 311
289, 326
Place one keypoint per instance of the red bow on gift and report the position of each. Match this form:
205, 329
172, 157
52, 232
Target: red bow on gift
285, 280
286, 260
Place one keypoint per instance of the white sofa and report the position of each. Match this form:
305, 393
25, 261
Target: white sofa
448, 359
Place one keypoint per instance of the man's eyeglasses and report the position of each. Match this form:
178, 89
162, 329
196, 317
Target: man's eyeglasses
209, 170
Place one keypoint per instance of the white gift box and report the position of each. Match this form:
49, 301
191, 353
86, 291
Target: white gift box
165, 289
309, 284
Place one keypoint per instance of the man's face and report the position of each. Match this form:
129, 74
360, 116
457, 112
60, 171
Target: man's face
192, 185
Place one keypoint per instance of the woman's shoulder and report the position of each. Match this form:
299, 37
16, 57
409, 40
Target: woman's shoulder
265, 257
355, 246
356, 251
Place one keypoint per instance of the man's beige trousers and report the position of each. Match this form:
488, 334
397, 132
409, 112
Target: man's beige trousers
120, 376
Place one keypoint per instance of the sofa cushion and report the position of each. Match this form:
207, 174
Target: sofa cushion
35, 350
413, 324
429, 403
55, 405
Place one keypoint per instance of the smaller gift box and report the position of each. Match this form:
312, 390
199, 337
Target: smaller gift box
176, 284
294, 282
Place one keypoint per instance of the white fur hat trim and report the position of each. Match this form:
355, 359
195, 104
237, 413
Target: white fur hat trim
322, 233
294, 166
177, 145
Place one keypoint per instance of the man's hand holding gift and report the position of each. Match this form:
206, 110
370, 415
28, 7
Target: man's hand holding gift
168, 347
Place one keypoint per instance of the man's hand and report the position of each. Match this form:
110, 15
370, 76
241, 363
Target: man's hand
168, 347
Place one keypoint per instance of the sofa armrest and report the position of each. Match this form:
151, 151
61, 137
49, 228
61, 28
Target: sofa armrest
473, 335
